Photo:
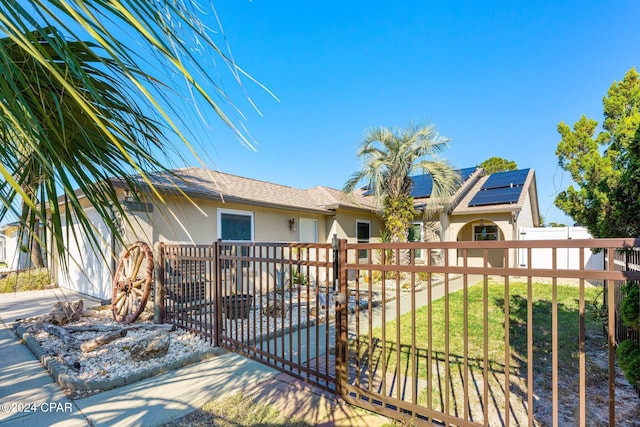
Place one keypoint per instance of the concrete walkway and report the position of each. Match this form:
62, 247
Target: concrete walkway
29, 397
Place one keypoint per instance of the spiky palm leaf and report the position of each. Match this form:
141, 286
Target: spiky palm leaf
93, 104
67, 122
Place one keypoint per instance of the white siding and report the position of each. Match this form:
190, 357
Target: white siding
88, 273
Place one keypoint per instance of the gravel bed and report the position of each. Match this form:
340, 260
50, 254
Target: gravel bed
112, 364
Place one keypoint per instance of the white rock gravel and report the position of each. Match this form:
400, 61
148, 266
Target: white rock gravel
114, 360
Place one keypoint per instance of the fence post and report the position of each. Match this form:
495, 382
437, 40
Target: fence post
217, 292
340, 292
159, 291
611, 333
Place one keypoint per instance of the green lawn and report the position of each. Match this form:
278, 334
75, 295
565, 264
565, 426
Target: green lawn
380, 358
453, 329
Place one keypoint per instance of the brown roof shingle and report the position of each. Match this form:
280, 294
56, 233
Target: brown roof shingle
209, 184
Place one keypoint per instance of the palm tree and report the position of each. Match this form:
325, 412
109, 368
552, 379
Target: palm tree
389, 157
53, 143
75, 113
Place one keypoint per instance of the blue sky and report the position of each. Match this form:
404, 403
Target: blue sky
494, 77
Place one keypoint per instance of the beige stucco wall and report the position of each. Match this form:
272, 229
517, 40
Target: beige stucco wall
461, 226
525, 217
344, 225
461, 229
179, 221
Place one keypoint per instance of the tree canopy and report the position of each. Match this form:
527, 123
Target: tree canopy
605, 164
389, 158
498, 164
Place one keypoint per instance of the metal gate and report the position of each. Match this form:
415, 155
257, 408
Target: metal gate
451, 333
461, 335
380, 367
268, 301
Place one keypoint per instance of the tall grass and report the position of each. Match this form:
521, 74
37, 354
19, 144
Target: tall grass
27, 280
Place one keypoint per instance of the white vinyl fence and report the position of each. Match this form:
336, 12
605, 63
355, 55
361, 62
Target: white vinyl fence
566, 258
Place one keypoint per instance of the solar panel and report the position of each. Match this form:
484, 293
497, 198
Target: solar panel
506, 179
465, 173
496, 196
422, 186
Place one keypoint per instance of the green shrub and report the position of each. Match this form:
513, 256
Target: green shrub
628, 354
630, 305
423, 276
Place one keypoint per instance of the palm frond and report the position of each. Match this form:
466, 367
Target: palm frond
81, 108
390, 156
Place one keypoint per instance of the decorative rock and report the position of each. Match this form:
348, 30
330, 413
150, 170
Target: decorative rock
110, 365
154, 345
275, 308
65, 312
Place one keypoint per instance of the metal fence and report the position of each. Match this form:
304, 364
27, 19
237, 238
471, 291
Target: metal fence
445, 333
268, 301
625, 260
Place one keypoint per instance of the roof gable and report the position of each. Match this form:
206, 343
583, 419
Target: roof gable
502, 191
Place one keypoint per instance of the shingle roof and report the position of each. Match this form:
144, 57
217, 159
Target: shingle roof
209, 184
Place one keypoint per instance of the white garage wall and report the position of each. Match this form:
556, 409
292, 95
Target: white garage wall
14, 257
566, 258
88, 273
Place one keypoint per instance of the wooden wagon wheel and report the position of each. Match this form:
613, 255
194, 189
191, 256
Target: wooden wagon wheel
132, 283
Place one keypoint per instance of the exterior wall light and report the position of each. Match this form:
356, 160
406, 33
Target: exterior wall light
292, 224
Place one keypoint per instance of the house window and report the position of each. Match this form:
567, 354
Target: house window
308, 230
485, 232
363, 235
415, 235
235, 225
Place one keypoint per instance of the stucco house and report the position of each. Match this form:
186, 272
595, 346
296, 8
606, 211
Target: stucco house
210, 205
199, 206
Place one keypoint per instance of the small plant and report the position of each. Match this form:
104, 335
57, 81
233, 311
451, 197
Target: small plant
599, 310
628, 354
424, 276
378, 276
298, 278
